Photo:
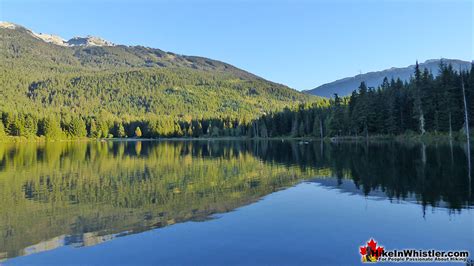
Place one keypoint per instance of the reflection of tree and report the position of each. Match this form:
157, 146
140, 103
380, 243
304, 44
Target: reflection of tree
73, 188
399, 170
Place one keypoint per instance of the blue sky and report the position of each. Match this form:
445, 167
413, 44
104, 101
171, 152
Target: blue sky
302, 44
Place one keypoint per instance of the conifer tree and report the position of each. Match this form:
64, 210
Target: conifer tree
51, 128
120, 130
418, 103
2, 130
77, 128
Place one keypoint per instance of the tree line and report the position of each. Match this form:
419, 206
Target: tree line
422, 104
63, 127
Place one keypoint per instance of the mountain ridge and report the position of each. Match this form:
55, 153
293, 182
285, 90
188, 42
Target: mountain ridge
137, 81
346, 85
88, 40
193, 61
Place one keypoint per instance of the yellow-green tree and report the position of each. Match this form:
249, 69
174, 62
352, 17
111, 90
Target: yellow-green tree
138, 132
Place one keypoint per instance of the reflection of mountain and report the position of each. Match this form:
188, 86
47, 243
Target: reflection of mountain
83, 240
82, 194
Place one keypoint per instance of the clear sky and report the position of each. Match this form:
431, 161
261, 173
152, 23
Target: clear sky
302, 44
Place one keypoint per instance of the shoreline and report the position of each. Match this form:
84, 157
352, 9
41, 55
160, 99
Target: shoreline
427, 138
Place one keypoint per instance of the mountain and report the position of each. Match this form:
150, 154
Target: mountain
88, 41
57, 40
44, 74
345, 86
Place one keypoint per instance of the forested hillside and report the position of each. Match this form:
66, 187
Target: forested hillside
56, 90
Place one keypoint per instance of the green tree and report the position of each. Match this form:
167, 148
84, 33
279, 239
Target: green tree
51, 128
215, 131
120, 130
103, 127
2, 130
301, 130
337, 117
94, 131
77, 128
419, 114
30, 126
263, 130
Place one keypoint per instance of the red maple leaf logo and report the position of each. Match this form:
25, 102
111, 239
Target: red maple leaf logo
371, 249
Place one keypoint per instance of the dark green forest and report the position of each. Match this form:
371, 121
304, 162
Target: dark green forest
425, 104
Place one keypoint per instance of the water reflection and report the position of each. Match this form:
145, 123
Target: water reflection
80, 194
400, 171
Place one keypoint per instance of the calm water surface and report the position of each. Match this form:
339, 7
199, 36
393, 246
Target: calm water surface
229, 202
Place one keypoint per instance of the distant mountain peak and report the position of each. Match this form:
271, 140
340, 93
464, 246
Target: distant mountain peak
57, 40
54, 39
345, 86
89, 41
8, 25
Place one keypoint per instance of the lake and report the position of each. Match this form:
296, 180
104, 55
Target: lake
214, 202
